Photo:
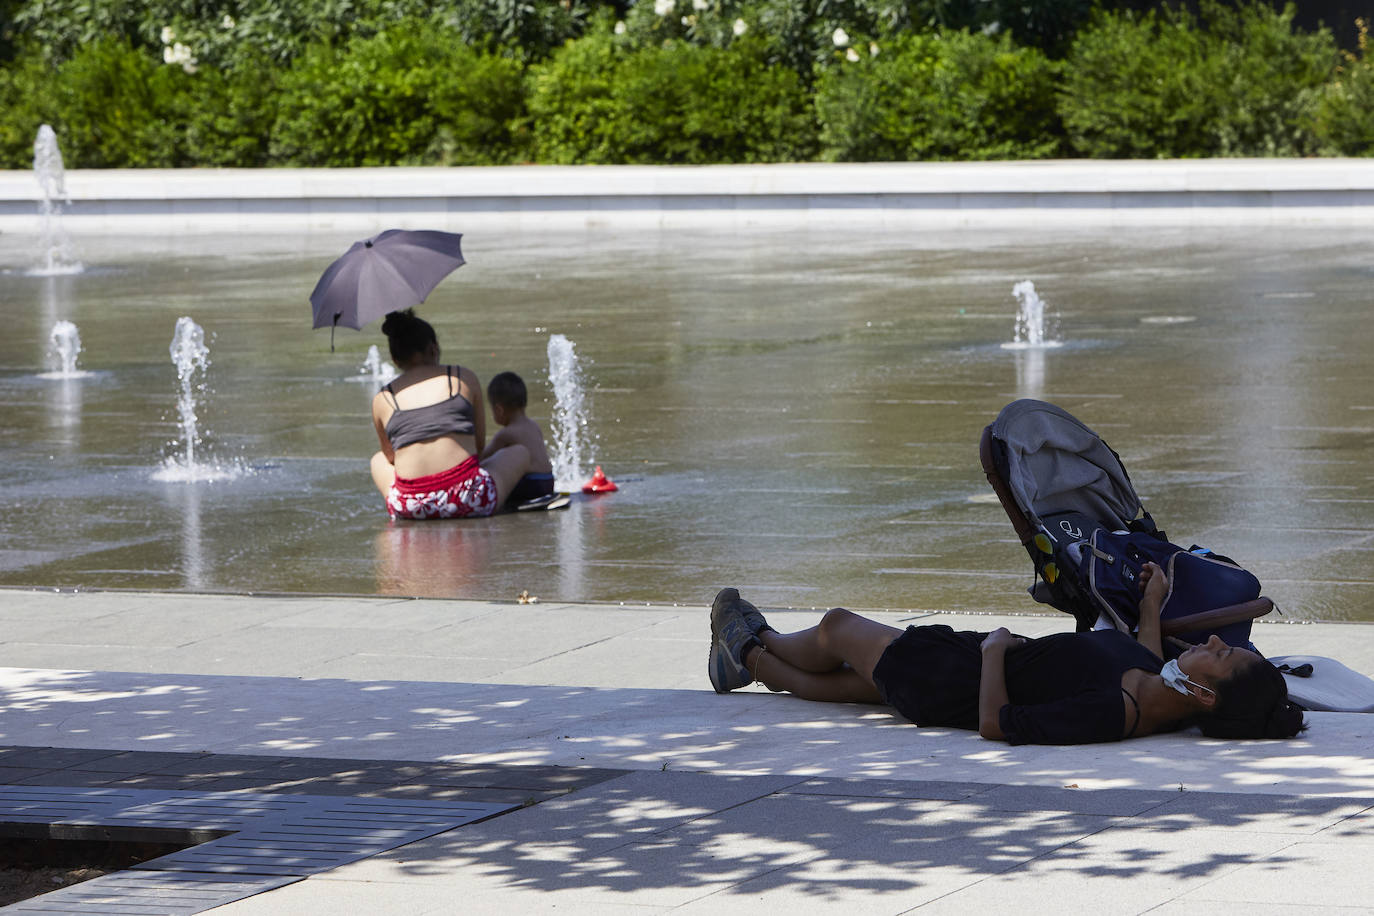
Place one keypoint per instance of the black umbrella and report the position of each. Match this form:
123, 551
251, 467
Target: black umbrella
386, 273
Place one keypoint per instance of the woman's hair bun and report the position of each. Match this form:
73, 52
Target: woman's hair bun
395, 322
1285, 720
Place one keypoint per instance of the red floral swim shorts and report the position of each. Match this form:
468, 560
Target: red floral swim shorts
464, 491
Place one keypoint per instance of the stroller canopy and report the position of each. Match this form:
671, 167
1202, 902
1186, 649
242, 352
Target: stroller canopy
1055, 464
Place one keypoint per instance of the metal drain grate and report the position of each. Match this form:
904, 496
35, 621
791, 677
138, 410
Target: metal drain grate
272, 840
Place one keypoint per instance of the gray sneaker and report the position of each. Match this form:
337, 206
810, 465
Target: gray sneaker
728, 601
730, 640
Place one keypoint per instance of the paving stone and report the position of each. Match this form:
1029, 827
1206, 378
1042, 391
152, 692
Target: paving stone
1118, 802
1116, 870
889, 788
139, 761
464, 793
65, 778
53, 757
219, 765
520, 777
1267, 813
1312, 875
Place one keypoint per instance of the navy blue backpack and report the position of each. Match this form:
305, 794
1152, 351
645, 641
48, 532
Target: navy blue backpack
1075, 511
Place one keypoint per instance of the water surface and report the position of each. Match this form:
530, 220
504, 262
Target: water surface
796, 413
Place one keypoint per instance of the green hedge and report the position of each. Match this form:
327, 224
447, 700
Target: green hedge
143, 83
1343, 118
1164, 85
112, 107
600, 101
956, 95
410, 96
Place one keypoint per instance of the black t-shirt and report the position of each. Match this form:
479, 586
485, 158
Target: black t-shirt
1066, 688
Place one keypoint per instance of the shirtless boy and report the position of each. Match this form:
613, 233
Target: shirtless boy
508, 397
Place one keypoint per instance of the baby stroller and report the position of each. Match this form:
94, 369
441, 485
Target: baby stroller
1075, 511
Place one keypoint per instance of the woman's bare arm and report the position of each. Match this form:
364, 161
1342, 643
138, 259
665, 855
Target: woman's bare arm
992, 686
1154, 586
380, 407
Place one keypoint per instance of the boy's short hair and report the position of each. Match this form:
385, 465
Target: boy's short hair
508, 390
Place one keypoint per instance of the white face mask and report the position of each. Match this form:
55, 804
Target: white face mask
1173, 676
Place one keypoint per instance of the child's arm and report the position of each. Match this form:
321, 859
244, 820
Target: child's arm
497, 442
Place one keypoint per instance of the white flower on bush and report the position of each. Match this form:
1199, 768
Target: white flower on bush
227, 22
701, 6
663, 7
168, 36
851, 55
178, 53
841, 38
620, 27
872, 49
740, 27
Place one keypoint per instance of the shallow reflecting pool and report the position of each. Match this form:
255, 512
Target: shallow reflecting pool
793, 413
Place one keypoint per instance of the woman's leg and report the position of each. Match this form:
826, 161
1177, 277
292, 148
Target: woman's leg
506, 467
842, 685
383, 473
842, 638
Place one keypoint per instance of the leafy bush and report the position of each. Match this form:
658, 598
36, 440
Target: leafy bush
232, 33
1048, 25
229, 116
1241, 83
940, 96
1343, 120
25, 86
1272, 76
111, 105
599, 101
115, 107
408, 96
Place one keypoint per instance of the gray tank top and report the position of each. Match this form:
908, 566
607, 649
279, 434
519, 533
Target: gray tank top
449, 417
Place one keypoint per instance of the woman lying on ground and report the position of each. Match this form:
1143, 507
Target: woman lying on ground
1067, 688
432, 428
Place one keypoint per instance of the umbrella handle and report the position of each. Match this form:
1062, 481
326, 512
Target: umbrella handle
337, 316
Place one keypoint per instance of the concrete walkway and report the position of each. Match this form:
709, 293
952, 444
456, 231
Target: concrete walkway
647, 792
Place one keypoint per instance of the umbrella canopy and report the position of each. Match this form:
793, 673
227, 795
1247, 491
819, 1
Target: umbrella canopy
386, 273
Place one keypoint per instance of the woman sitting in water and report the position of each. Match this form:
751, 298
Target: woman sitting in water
431, 426
1068, 688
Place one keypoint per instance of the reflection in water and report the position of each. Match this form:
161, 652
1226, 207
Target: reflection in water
1030, 373
431, 559
64, 412
570, 551
186, 502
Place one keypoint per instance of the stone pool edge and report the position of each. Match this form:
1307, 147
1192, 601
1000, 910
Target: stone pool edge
925, 194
